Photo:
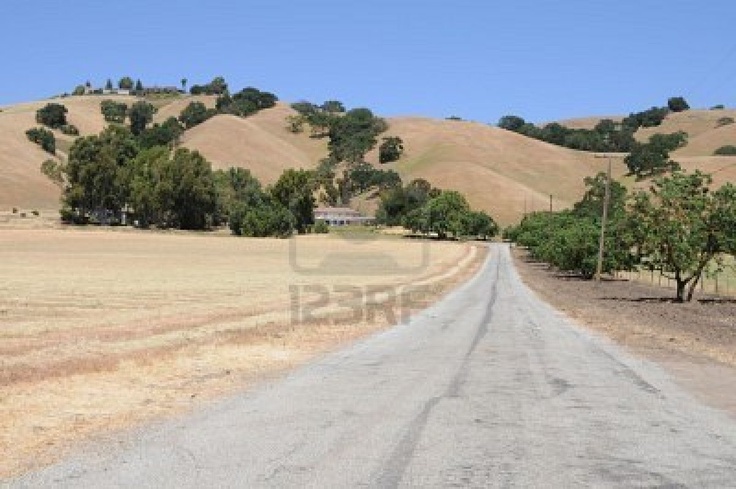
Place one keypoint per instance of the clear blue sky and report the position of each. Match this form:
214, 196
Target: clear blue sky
477, 59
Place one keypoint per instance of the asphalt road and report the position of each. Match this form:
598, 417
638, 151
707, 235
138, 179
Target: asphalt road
488, 388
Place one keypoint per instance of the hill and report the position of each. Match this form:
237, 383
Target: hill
501, 172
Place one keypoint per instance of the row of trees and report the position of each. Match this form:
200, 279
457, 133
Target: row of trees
606, 136
680, 226
113, 174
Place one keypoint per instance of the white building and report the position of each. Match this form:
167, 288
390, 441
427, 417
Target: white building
341, 216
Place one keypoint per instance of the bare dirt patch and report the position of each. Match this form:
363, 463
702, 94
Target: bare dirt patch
695, 342
102, 329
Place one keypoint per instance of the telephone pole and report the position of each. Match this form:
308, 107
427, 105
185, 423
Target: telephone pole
606, 200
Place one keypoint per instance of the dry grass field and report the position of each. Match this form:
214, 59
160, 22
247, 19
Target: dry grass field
103, 328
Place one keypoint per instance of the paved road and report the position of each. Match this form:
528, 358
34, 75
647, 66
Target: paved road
489, 388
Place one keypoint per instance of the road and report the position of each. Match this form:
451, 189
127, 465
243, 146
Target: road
488, 388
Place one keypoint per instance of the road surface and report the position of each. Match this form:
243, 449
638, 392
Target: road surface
488, 388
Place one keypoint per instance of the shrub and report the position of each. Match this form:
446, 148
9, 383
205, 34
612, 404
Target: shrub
52, 115
724, 121
320, 227
728, 150
35, 213
42, 137
69, 130
677, 104
718, 107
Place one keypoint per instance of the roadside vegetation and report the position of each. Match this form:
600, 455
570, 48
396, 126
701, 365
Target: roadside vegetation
680, 226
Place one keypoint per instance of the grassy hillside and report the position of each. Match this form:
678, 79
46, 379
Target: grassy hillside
500, 171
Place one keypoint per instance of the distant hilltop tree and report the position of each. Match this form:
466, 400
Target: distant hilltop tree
677, 104
125, 83
218, 86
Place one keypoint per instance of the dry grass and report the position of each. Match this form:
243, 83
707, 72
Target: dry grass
100, 329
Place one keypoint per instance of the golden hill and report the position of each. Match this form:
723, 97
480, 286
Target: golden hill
499, 171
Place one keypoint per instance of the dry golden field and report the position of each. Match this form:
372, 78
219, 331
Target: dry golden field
104, 328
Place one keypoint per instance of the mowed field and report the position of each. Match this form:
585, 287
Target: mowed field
101, 329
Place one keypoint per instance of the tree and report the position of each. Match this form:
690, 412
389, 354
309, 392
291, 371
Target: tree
52, 115
166, 134
42, 137
680, 226
79, 90
183, 84
653, 158
217, 86
591, 205
108, 84
511, 123
677, 104
114, 111
333, 107
188, 193
354, 134
390, 149
97, 172
138, 87
480, 225
444, 214
125, 83
194, 114
140, 114
294, 191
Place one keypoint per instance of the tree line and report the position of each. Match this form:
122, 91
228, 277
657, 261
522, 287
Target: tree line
679, 226
606, 136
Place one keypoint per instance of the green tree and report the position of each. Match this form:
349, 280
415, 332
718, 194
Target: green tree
97, 172
125, 83
511, 123
52, 115
195, 113
479, 225
166, 134
114, 111
108, 84
188, 194
42, 137
333, 107
294, 191
138, 87
354, 134
680, 226
390, 149
677, 104
183, 84
140, 115
653, 158
445, 214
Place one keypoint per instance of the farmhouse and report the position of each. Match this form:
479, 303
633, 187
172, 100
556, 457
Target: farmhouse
341, 216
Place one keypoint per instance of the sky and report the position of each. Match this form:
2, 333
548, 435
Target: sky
474, 59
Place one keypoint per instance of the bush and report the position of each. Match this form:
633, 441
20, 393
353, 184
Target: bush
724, 121
728, 150
42, 137
69, 130
320, 227
718, 107
677, 104
114, 111
52, 115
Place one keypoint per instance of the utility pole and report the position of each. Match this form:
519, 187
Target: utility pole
606, 200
